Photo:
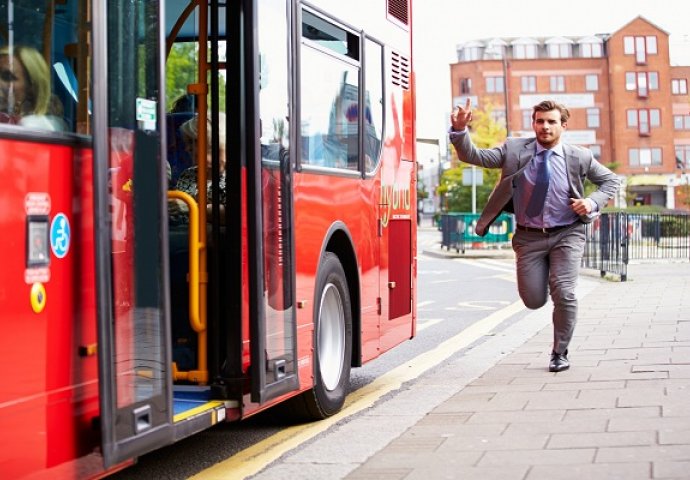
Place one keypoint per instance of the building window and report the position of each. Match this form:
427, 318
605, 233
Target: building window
593, 120
591, 83
653, 80
643, 82
641, 157
557, 83
525, 50
681, 122
632, 118
654, 117
529, 83
591, 50
643, 122
596, 151
559, 50
683, 156
640, 47
644, 119
471, 53
679, 86
651, 44
494, 84
465, 85
640, 51
499, 116
642, 89
527, 119
630, 81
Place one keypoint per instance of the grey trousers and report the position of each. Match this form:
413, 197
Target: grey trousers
551, 263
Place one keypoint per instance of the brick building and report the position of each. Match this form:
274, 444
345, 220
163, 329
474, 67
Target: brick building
627, 103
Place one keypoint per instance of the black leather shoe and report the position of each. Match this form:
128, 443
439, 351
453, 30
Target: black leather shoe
559, 362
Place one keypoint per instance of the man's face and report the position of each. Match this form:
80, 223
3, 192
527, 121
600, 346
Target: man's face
548, 127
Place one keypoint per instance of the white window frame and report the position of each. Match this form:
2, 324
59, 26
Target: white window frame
557, 83
592, 82
495, 84
528, 83
593, 118
640, 46
679, 86
643, 157
591, 50
681, 122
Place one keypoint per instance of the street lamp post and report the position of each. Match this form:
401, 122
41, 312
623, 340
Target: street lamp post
506, 94
494, 50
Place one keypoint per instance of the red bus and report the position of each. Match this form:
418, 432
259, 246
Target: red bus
136, 310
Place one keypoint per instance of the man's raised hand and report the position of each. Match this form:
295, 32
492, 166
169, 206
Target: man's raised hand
461, 116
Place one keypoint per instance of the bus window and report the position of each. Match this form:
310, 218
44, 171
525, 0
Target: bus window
330, 95
40, 75
373, 104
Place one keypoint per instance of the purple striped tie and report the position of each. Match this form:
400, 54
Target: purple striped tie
541, 185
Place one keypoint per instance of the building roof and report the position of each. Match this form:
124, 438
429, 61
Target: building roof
640, 17
591, 39
558, 41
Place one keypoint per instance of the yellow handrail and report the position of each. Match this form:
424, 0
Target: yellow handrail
195, 320
197, 314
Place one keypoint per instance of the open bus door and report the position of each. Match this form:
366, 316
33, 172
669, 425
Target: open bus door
268, 137
133, 333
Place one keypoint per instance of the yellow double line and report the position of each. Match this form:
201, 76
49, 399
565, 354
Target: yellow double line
253, 459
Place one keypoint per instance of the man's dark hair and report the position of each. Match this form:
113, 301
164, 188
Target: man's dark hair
547, 106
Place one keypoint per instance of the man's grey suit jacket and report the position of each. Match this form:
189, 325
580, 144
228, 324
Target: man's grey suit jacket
514, 155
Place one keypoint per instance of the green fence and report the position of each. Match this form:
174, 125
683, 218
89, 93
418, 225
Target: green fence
457, 230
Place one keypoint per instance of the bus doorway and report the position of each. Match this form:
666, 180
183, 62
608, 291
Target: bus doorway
233, 131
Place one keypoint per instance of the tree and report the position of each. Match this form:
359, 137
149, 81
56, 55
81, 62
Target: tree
486, 133
181, 69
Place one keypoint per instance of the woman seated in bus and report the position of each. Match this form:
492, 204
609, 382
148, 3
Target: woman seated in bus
187, 182
25, 95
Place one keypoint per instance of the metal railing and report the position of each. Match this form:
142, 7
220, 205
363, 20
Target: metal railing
453, 232
613, 239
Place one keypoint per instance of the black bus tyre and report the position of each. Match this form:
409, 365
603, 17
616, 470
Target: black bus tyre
332, 343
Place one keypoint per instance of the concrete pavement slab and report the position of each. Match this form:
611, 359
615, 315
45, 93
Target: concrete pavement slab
621, 411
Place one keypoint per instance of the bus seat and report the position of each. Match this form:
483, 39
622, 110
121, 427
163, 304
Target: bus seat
178, 157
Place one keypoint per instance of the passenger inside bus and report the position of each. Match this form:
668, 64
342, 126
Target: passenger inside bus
25, 94
184, 104
184, 338
187, 181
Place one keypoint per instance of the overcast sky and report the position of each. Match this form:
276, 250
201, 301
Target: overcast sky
440, 25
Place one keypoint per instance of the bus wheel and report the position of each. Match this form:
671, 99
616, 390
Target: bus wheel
332, 343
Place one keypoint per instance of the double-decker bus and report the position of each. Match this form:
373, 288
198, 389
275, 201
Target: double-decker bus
137, 308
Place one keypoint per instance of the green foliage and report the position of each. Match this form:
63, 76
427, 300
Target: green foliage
458, 197
485, 132
639, 209
181, 69
675, 226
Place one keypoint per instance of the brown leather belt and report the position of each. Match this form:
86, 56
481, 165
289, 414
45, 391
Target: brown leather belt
547, 230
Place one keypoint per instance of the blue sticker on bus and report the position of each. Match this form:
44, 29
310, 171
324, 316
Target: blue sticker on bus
60, 235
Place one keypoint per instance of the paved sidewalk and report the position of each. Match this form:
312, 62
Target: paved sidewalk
621, 411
